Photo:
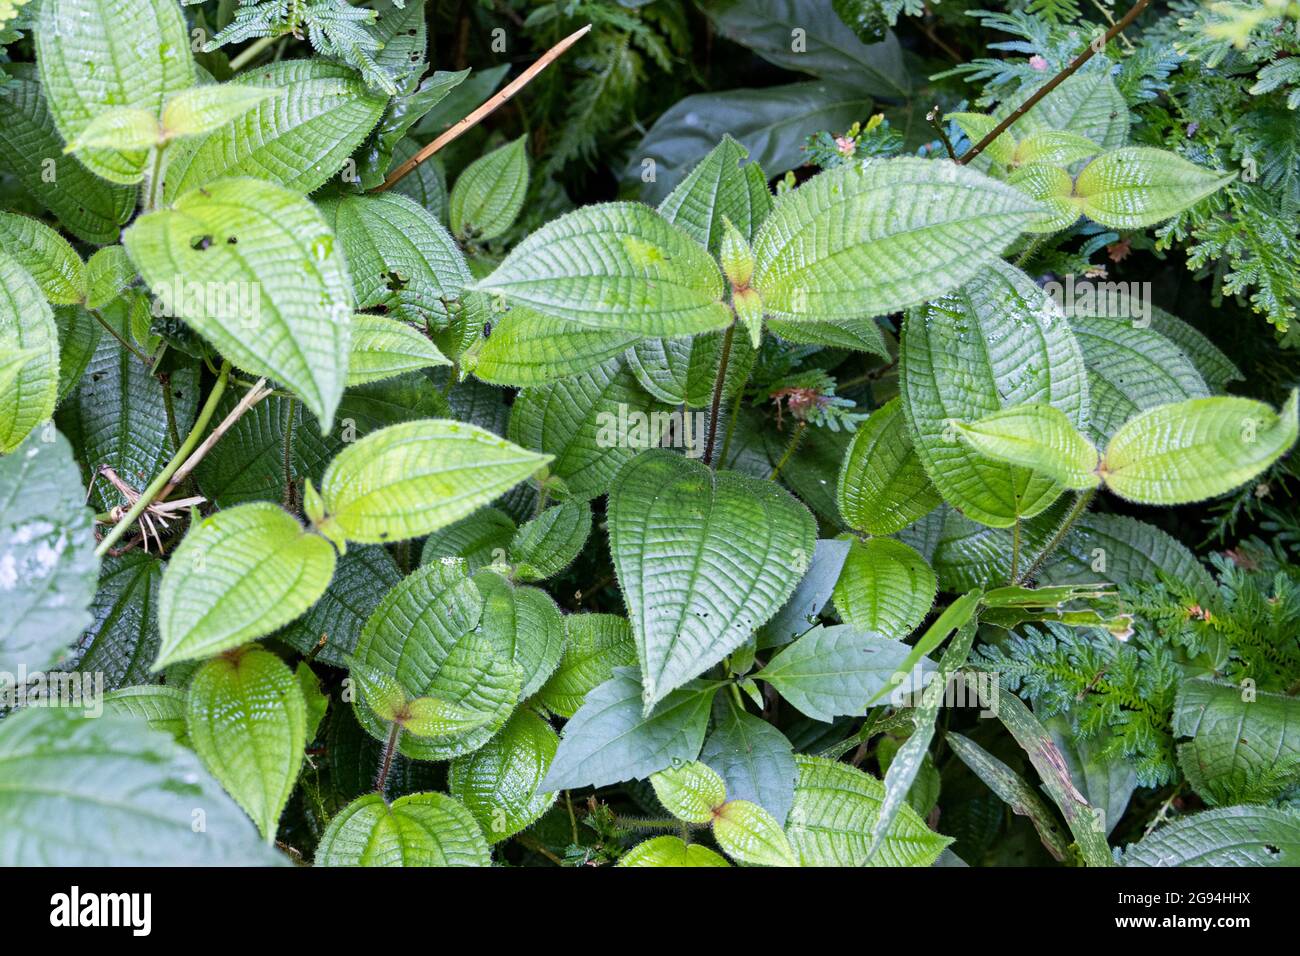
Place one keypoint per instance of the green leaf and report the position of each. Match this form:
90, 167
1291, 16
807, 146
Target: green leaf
670, 851
526, 622
837, 333
952, 619
594, 646
162, 708
682, 371
866, 239
593, 424
47, 257
316, 700
750, 834
753, 757
480, 539
489, 194
1216, 368
703, 560
885, 587
26, 327
1053, 188
835, 808
1130, 369
122, 639
610, 739
1038, 437
998, 341
882, 486
117, 416
1230, 836
1087, 103
400, 257
1106, 781
424, 635
378, 691
1012, 790
202, 109
123, 129
722, 186
834, 671
433, 717
383, 348
1138, 186
420, 829
615, 266
500, 783
549, 543
1244, 746
275, 289
978, 125
1189, 451
690, 792
90, 208
135, 789
85, 68
810, 595
79, 336
247, 721
528, 348
236, 576
407, 480
297, 139
47, 554
108, 272
361, 579
1124, 550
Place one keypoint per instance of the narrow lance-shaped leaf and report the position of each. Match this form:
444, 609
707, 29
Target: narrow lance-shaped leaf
1139, 186
384, 348
1038, 437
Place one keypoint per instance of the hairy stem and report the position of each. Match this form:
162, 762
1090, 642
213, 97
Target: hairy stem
1080, 506
164, 476
1015, 551
1094, 47
546, 59
790, 449
386, 759
718, 385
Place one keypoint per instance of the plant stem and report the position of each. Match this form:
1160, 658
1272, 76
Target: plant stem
247, 55
718, 385
120, 341
1080, 506
251, 398
164, 476
165, 381
489, 107
386, 760
155, 178
290, 492
1015, 550
1094, 47
731, 425
795, 438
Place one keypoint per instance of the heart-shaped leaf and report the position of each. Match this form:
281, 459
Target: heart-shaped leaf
420, 829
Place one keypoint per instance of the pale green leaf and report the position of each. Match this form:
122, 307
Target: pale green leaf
871, 238
721, 186
528, 348
1197, 449
690, 791
525, 622
1087, 103
26, 327
201, 109
298, 139
275, 298
703, 560
160, 706
47, 554
383, 348
882, 486
748, 833
47, 257
134, 789
236, 576
96, 54
500, 783
885, 587
420, 829
615, 266
489, 194
120, 129
409, 479
1139, 186
1038, 437
670, 851
549, 543
1053, 188
595, 644
108, 272
810, 596
835, 808
682, 371
247, 721
754, 758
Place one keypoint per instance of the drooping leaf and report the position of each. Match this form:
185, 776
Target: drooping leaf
500, 783
882, 486
407, 480
136, 789
594, 646
701, 558
383, 348
810, 596
47, 554
835, 808
273, 292
610, 739
297, 139
750, 834
866, 239
159, 706
489, 194
247, 720
1105, 781
886, 587
236, 576
615, 266
1038, 437
420, 829
84, 68
1192, 450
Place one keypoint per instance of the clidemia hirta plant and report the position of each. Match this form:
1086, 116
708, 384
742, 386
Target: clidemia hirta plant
375, 522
